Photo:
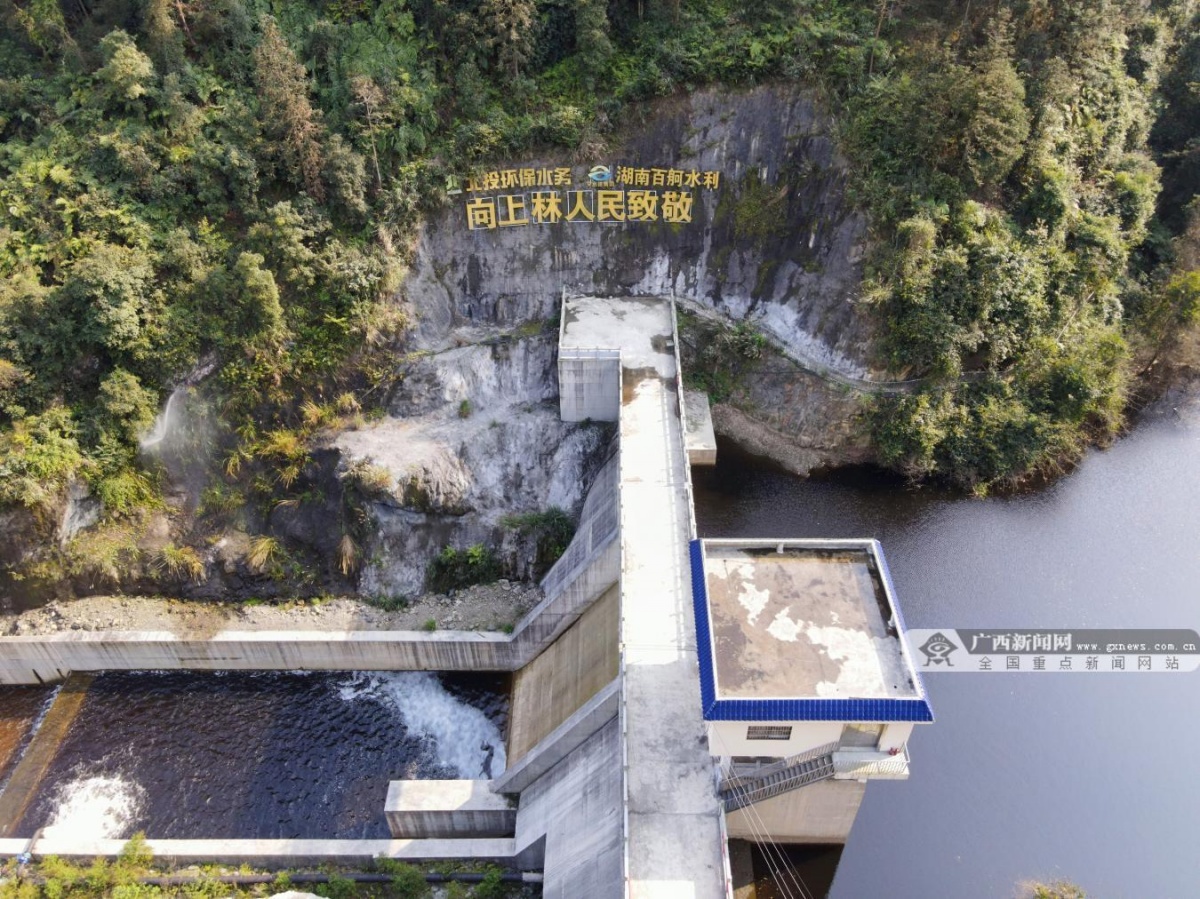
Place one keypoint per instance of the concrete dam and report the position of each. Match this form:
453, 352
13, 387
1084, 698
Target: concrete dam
670, 694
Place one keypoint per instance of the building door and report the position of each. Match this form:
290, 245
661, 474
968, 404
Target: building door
861, 736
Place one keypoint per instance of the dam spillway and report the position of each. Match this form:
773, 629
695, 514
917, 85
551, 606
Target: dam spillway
673, 840
629, 764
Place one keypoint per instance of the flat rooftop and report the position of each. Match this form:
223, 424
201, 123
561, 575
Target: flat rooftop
804, 620
640, 327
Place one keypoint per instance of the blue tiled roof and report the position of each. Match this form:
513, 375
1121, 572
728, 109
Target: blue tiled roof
781, 709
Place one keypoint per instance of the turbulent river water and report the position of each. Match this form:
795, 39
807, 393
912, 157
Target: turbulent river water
1075, 776
185, 754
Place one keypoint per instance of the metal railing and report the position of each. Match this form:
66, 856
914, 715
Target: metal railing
746, 774
784, 781
588, 352
868, 763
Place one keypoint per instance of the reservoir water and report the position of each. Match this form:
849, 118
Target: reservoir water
262, 754
1083, 776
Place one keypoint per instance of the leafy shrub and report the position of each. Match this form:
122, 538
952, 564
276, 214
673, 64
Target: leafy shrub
551, 531
453, 568
407, 880
392, 603
37, 458
337, 888
491, 887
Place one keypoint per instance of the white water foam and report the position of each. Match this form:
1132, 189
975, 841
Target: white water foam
164, 421
461, 736
95, 807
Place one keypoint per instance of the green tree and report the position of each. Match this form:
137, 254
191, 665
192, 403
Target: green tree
260, 314
44, 25
997, 122
163, 37
592, 39
108, 292
510, 32
285, 110
372, 103
1059, 889
127, 74
126, 406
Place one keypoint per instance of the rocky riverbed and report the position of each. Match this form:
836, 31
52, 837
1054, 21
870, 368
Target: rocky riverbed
490, 607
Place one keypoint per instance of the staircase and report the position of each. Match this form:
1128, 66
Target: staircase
740, 790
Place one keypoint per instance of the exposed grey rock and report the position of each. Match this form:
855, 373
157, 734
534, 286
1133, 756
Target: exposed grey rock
81, 510
457, 473
778, 243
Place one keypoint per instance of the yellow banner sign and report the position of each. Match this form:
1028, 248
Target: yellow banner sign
548, 207
506, 179
626, 194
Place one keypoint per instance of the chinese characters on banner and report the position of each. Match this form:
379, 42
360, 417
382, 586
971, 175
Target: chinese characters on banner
630, 195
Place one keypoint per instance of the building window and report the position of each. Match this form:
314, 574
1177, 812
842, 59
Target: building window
768, 732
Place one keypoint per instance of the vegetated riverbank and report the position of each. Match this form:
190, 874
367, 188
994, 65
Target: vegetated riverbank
490, 607
137, 872
457, 430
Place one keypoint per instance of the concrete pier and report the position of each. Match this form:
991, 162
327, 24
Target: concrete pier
672, 843
437, 809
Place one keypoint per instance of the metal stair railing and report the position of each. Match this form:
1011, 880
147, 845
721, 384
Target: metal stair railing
741, 774
783, 781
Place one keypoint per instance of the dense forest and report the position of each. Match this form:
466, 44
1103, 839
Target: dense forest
232, 186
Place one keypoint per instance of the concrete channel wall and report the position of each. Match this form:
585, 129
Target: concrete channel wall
42, 659
282, 853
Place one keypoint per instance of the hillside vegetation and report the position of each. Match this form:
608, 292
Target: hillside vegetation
234, 183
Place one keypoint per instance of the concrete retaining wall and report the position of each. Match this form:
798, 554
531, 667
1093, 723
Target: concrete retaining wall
589, 384
552, 687
573, 816
562, 741
442, 809
821, 812
590, 565
30, 660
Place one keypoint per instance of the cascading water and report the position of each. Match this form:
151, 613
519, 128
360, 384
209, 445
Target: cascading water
163, 424
461, 736
95, 808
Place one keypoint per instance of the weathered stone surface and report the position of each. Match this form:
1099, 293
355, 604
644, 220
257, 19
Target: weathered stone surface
777, 243
458, 469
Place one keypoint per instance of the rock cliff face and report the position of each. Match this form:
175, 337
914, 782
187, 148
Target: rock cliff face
472, 436
776, 243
